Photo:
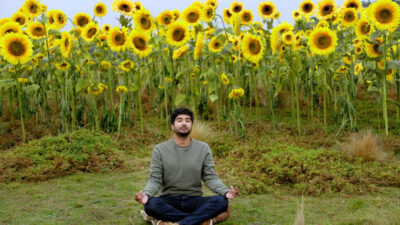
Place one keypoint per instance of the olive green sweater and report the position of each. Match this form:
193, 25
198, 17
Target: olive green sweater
178, 170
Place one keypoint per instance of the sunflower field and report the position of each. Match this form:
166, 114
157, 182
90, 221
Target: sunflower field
98, 76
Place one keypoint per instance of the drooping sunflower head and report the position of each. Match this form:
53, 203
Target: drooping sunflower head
252, 48
192, 15
296, 15
216, 44
36, 30
322, 41
307, 7
117, 39
356, 4
100, 9
16, 48
349, 17
266, 10
374, 48
165, 18
227, 15
20, 18
199, 46
384, 14
179, 52
143, 20
32, 7
81, 19
66, 45
236, 7
121, 89
246, 17
125, 7
90, 31
363, 28
138, 42
326, 8
60, 20
177, 34
208, 13
10, 27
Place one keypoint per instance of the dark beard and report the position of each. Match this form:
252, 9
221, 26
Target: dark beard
182, 134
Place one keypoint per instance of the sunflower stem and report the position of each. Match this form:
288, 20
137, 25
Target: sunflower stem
21, 116
384, 103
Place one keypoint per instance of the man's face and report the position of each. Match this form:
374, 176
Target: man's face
182, 125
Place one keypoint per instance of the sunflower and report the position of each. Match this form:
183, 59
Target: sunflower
224, 79
358, 68
63, 66
81, 19
227, 16
236, 7
276, 15
177, 34
288, 38
326, 8
208, 13
66, 45
106, 28
126, 65
363, 28
179, 52
356, 4
60, 20
105, 65
22, 80
266, 10
322, 41
36, 30
296, 15
252, 48
284, 27
212, 3
32, 7
215, 44
307, 8
274, 39
208, 32
199, 46
138, 42
349, 17
125, 7
102, 37
384, 14
116, 39
90, 31
20, 18
10, 27
358, 49
347, 59
374, 49
121, 89
95, 89
143, 21
100, 9
246, 17
176, 14
192, 15
16, 48
4, 20
165, 18
236, 93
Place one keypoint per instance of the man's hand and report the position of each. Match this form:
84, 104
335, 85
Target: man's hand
141, 198
232, 193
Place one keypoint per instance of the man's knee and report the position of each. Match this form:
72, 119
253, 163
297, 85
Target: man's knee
221, 201
152, 205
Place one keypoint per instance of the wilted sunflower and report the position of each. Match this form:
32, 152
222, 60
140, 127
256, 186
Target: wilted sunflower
252, 48
10, 27
266, 10
322, 41
20, 18
326, 8
117, 39
349, 17
296, 15
143, 21
199, 46
32, 7
125, 7
192, 15
236, 7
60, 20
307, 8
356, 4
126, 65
66, 45
215, 44
246, 17
374, 49
208, 13
363, 28
63, 66
179, 52
100, 9
165, 18
81, 19
384, 14
16, 48
177, 34
90, 31
36, 30
138, 42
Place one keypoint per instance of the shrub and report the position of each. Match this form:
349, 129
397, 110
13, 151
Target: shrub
364, 145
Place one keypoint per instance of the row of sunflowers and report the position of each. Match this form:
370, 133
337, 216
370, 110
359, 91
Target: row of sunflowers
97, 75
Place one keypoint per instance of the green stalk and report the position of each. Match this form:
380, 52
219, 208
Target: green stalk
296, 93
11, 105
384, 103
398, 95
21, 117
312, 88
271, 107
140, 102
121, 103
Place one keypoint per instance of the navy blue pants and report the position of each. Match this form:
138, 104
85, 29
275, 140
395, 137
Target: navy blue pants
186, 210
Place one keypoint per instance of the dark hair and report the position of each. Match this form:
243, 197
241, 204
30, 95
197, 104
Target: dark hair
180, 111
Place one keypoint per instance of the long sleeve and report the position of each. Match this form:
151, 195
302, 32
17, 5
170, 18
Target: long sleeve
209, 176
154, 183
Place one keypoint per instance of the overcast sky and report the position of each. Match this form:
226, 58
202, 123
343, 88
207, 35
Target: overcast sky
71, 7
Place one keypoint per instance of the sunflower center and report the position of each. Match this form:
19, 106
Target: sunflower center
352, 5
33, 8
11, 30
267, 10
127, 65
307, 8
384, 16
323, 42
193, 17
326, 10
91, 32
349, 17
51, 20
99, 9
20, 20
119, 39
38, 31
63, 64
82, 21
61, 18
217, 44
377, 50
254, 47
125, 8
246, 17
139, 43
145, 23
296, 14
167, 19
66, 43
237, 8
365, 28
288, 37
178, 34
16, 48
209, 13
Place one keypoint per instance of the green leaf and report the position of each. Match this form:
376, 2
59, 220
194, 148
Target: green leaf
179, 99
213, 97
81, 84
31, 88
394, 102
7, 83
393, 64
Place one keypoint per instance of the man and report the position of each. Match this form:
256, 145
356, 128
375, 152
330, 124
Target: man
177, 168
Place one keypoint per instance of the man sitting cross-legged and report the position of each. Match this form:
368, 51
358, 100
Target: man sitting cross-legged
177, 168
